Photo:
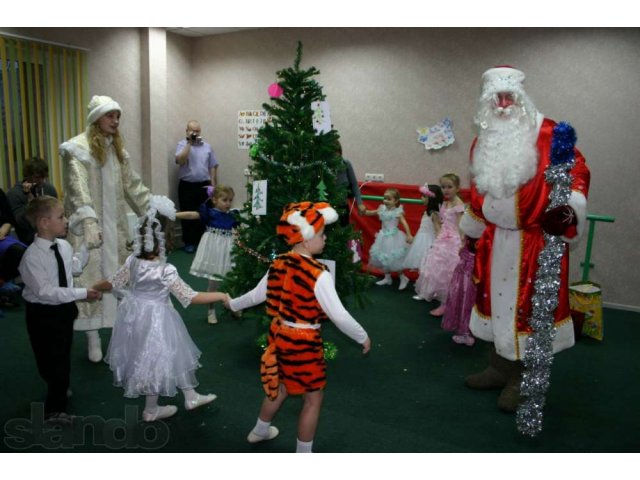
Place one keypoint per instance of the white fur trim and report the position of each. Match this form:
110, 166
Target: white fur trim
99, 106
502, 79
501, 327
471, 226
329, 214
306, 230
578, 202
76, 221
76, 149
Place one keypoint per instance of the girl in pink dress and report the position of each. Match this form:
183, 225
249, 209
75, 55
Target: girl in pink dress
438, 265
461, 297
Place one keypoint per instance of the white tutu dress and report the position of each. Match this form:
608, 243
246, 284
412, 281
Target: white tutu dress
151, 352
213, 258
421, 244
390, 246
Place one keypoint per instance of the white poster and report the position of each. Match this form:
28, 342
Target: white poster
321, 117
249, 122
259, 197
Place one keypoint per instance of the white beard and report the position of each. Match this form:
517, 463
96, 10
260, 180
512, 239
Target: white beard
505, 155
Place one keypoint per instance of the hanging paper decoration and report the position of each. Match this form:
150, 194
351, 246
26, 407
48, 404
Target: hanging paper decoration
321, 117
259, 197
438, 136
275, 90
322, 191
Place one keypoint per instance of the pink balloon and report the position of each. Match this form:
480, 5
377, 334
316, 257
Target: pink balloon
275, 90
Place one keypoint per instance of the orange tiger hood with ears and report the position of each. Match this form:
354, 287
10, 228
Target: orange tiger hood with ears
302, 221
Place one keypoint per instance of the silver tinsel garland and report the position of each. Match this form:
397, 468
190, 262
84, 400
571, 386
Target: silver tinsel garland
538, 355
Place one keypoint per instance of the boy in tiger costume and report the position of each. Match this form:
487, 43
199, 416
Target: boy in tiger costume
300, 294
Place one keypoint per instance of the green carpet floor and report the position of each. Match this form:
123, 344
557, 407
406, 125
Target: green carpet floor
407, 395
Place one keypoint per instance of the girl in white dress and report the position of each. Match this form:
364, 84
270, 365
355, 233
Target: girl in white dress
151, 352
426, 234
390, 246
213, 258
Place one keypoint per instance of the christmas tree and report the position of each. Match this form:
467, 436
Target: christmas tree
298, 164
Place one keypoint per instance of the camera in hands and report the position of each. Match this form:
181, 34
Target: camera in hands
194, 139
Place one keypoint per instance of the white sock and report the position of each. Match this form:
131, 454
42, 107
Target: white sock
151, 403
93, 335
189, 394
303, 447
262, 428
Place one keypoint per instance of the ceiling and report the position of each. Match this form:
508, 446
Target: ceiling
205, 31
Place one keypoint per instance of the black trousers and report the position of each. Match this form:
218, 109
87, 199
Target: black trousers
50, 329
191, 196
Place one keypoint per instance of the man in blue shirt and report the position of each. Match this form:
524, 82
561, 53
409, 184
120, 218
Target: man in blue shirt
198, 169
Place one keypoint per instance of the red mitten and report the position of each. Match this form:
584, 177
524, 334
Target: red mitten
559, 220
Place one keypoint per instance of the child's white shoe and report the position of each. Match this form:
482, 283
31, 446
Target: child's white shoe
385, 281
211, 318
404, 281
199, 401
165, 411
255, 438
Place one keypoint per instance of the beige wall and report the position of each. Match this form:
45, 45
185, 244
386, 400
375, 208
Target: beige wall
384, 83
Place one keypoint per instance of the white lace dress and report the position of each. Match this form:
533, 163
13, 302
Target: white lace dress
151, 352
424, 238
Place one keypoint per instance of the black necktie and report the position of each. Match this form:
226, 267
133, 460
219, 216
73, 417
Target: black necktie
62, 273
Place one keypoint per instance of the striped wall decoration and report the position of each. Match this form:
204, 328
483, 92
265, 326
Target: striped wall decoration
43, 94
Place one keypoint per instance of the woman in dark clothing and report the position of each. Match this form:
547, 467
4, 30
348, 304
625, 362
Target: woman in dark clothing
11, 251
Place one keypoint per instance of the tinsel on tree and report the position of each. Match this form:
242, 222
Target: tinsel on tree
299, 165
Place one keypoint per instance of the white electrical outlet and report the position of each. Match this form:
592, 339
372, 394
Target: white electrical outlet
374, 177
247, 172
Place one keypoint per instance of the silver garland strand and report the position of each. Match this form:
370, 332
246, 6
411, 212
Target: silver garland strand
538, 355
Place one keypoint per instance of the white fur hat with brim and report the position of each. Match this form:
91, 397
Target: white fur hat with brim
503, 78
99, 106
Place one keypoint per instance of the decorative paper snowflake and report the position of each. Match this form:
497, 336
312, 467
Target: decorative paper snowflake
438, 136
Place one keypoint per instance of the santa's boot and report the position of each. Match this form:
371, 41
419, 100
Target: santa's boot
494, 376
94, 346
510, 398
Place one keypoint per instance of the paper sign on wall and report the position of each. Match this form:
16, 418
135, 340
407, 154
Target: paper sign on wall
249, 122
438, 136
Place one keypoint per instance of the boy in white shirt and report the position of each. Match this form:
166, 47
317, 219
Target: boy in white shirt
46, 269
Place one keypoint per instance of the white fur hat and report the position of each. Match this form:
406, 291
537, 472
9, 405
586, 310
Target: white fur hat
100, 105
502, 79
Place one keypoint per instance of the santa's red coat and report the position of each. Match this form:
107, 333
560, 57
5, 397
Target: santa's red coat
507, 253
